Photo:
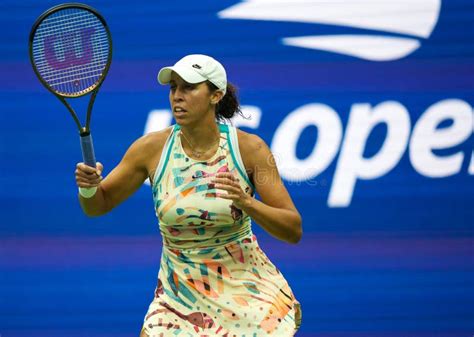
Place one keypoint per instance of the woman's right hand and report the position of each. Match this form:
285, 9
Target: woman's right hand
87, 176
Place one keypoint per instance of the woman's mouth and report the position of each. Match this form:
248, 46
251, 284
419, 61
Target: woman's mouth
178, 111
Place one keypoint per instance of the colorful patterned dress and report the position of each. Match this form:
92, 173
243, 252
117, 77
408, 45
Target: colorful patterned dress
214, 280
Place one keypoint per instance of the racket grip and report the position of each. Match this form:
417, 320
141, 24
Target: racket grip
87, 150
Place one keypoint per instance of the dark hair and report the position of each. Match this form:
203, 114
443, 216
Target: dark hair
229, 105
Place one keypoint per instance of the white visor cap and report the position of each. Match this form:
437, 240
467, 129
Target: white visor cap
196, 68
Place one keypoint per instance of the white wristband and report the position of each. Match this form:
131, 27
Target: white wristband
87, 192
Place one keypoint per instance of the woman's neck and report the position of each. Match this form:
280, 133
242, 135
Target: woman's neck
201, 137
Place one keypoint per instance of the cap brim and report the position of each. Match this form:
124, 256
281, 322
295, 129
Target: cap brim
189, 75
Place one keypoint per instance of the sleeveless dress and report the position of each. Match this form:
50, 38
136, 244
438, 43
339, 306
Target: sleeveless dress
214, 280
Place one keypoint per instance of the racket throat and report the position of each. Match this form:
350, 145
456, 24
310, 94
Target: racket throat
84, 132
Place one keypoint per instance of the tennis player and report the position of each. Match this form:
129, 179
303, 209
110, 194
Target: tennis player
214, 280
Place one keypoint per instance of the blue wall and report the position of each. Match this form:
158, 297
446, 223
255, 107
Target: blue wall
374, 141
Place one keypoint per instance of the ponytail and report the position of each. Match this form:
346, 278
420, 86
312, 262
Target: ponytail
229, 105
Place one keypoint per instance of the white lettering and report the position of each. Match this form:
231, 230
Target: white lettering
158, 120
253, 112
286, 137
426, 137
351, 164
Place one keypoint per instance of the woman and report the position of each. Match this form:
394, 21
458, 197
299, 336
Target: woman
214, 280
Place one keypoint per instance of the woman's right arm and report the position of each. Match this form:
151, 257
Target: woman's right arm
124, 179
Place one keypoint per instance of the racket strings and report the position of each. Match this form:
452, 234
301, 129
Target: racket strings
53, 27
75, 74
50, 75
71, 51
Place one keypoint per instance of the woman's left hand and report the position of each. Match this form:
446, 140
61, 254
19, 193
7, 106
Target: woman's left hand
226, 181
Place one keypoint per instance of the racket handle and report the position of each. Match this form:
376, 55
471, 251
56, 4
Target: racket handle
87, 150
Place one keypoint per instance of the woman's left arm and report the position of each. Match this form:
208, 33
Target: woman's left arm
276, 213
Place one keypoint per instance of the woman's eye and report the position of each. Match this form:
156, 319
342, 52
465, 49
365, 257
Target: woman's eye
184, 87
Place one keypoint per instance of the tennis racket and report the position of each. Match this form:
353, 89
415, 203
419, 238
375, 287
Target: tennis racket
70, 49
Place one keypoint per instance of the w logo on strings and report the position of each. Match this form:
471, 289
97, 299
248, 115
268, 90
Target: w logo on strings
69, 49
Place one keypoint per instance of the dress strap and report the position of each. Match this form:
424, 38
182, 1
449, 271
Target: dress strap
235, 152
165, 155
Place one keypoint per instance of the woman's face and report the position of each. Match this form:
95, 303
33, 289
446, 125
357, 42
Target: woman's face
190, 102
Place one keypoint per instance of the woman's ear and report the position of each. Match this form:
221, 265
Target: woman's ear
216, 96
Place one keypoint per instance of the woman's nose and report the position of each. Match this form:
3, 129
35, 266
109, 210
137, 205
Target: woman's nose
177, 94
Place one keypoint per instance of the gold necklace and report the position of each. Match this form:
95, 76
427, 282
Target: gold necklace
197, 154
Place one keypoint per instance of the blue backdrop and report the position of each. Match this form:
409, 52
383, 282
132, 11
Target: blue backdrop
367, 106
